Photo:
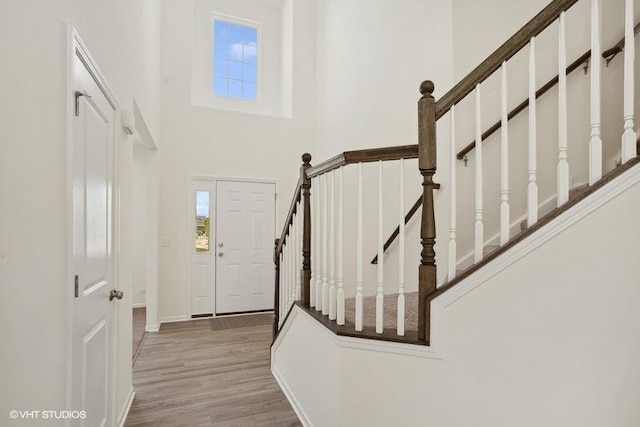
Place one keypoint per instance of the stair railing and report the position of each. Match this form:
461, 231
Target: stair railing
315, 282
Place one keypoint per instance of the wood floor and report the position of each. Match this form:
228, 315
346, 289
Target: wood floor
189, 375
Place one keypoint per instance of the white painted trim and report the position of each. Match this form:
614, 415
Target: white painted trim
302, 415
122, 418
152, 328
139, 305
83, 53
142, 129
547, 232
173, 319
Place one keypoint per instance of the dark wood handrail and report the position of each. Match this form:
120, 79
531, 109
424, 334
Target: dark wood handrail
364, 156
292, 211
608, 54
505, 52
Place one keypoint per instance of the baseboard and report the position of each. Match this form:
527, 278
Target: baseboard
172, 319
302, 416
122, 418
152, 328
139, 305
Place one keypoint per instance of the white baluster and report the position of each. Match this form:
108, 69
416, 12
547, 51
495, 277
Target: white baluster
532, 188
340, 294
453, 251
299, 253
380, 288
479, 226
358, 310
294, 259
289, 268
332, 248
314, 217
629, 150
401, 246
283, 285
318, 243
504, 162
595, 144
563, 163
325, 249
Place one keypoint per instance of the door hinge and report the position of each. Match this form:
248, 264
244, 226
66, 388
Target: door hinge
78, 95
76, 280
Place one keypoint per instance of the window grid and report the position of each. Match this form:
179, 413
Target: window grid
235, 60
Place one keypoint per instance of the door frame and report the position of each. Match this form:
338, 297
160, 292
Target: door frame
190, 225
76, 47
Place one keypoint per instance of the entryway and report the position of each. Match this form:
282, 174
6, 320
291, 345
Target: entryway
232, 229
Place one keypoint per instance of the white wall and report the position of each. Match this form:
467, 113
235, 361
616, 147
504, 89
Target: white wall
372, 57
123, 38
205, 141
550, 340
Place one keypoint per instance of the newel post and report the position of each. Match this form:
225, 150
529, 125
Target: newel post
427, 167
306, 232
276, 296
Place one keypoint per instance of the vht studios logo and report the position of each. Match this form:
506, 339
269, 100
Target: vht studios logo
47, 415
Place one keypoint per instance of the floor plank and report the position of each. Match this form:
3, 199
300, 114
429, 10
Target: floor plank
189, 375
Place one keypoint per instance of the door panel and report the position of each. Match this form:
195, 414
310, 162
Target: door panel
245, 231
92, 153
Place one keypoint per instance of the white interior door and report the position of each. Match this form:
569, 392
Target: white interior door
245, 230
93, 167
203, 250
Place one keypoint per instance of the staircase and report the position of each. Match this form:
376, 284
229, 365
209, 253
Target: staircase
321, 309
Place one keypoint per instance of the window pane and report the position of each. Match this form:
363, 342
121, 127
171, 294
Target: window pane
235, 70
250, 36
220, 86
249, 73
220, 68
249, 55
249, 91
202, 221
221, 30
236, 32
235, 52
221, 49
235, 88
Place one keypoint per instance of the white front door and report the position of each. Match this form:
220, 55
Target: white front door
245, 230
202, 249
92, 344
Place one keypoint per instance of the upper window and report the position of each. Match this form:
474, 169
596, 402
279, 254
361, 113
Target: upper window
235, 60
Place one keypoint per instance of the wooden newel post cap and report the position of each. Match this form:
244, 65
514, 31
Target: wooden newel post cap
306, 158
426, 88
